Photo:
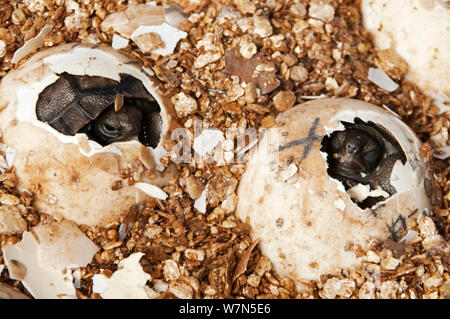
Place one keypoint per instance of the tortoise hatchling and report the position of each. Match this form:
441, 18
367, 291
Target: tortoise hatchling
106, 110
345, 171
78, 115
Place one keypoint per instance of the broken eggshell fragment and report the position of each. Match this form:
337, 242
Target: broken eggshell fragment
153, 28
299, 204
54, 106
43, 260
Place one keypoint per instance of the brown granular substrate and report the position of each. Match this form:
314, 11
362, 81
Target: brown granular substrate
211, 255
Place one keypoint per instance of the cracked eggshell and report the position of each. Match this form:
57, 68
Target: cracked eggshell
74, 175
44, 257
64, 245
307, 224
418, 30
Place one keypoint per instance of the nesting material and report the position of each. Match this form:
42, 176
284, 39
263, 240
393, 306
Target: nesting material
44, 257
307, 222
418, 31
8, 292
11, 221
77, 176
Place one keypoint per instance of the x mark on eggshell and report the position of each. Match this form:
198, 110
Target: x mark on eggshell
308, 141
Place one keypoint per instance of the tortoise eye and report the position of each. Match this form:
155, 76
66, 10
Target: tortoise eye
337, 140
371, 156
108, 130
372, 153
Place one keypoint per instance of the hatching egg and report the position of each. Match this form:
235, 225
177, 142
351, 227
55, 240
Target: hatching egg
86, 122
337, 173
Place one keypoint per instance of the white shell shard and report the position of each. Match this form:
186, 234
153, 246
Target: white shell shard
441, 100
125, 22
419, 32
32, 45
9, 156
381, 79
152, 190
148, 18
42, 260
174, 14
306, 228
119, 42
360, 192
159, 153
207, 141
63, 245
442, 153
76, 174
168, 34
128, 282
200, 203
23, 262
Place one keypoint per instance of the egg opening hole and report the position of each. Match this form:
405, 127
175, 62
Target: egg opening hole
106, 110
362, 157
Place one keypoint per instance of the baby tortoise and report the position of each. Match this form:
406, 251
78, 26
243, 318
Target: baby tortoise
106, 110
363, 153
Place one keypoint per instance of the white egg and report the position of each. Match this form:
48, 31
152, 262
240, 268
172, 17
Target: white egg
309, 223
419, 31
73, 175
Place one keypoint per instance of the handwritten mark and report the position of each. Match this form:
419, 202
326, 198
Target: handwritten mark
396, 227
413, 213
373, 211
308, 141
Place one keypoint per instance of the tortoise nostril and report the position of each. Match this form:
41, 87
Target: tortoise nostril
351, 149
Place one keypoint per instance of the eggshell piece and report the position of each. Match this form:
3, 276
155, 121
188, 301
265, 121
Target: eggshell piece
419, 32
307, 223
128, 282
64, 245
32, 44
150, 20
45, 256
152, 190
23, 262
